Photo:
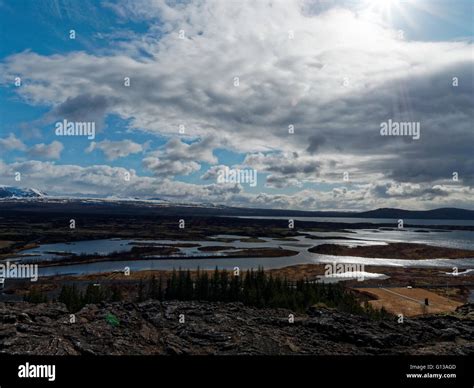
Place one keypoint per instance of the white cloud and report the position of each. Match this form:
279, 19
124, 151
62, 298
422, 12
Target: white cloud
286, 169
213, 172
335, 81
46, 151
283, 81
102, 180
117, 149
12, 143
179, 158
167, 168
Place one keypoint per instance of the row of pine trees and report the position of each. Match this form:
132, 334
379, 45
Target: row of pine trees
74, 299
254, 288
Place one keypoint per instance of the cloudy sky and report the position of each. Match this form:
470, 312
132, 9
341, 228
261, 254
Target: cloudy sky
296, 90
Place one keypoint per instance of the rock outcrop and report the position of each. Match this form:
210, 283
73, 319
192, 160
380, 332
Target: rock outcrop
179, 328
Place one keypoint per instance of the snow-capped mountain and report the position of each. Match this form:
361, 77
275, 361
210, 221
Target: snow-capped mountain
36, 199
20, 194
9, 192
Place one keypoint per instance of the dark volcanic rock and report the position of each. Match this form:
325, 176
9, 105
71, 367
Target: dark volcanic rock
152, 327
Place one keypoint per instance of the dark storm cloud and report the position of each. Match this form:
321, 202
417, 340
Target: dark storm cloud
91, 108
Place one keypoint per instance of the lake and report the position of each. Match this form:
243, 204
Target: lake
185, 260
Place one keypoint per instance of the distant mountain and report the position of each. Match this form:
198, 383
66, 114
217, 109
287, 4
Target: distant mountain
9, 192
440, 214
395, 214
13, 197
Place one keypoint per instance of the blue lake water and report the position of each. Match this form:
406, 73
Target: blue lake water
185, 260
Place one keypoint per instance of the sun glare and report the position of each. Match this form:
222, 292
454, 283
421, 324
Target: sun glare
380, 9
382, 3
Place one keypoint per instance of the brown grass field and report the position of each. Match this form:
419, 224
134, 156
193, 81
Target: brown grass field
409, 301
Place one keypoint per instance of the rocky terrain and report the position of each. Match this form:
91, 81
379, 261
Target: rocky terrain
153, 327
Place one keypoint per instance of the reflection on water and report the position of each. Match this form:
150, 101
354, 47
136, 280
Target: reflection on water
88, 247
462, 239
243, 263
357, 275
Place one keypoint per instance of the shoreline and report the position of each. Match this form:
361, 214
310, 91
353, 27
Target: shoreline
395, 250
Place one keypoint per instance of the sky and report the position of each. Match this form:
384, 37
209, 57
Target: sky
296, 92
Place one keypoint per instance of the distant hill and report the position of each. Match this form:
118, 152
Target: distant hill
440, 214
28, 199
